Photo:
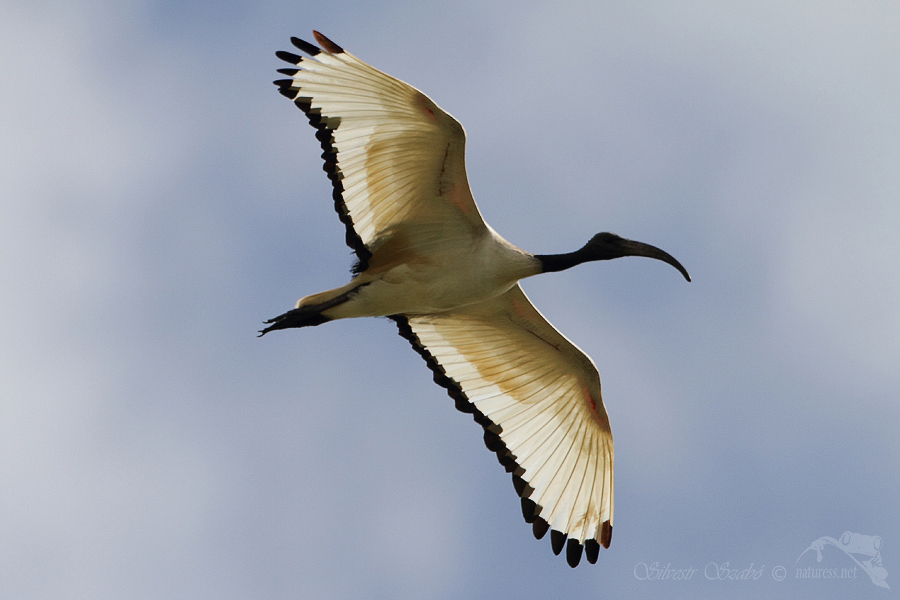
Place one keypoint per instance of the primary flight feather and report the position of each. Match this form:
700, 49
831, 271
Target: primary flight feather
427, 260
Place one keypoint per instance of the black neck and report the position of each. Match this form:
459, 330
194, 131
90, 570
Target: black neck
551, 263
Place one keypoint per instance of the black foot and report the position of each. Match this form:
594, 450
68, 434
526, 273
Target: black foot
309, 316
298, 317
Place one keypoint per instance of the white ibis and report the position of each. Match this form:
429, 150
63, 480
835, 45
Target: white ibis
427, 260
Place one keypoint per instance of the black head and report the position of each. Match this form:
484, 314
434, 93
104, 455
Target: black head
606, 246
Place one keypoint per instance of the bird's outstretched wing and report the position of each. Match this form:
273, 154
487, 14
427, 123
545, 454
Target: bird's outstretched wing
393, 156
538, 398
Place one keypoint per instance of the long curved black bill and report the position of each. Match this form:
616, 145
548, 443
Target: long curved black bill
632, 248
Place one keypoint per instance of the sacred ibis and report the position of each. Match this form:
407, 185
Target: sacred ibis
427, 260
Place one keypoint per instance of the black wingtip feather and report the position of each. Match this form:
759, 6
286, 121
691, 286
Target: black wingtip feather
493, 442
591, 551
288, 72
557, 541
573, 552
508, 461
539, 528
463, 406
305, 46
327, 44
289, 57
529, 510
520, 485
606, 534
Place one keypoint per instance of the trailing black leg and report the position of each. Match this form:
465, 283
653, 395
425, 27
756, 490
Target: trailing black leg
299, 317
308, 316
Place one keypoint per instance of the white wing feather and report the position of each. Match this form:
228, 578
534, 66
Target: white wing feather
393, 155
541, 396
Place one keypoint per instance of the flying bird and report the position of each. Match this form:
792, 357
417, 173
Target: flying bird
427, 259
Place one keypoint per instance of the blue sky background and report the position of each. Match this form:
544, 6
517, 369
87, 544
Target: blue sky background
160, 199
